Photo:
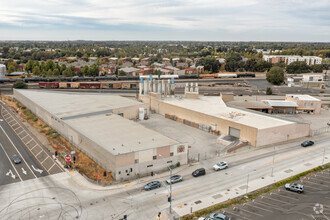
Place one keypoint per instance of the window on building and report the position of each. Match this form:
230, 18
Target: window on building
154, 157
171, 154
150, 165
170, 161
119, 172
136, 160
131, 169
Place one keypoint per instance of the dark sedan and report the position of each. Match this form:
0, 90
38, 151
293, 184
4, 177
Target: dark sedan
307, 143
152, 185
16, 159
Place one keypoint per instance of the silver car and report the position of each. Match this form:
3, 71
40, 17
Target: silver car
220, 166
16, 159
174, 179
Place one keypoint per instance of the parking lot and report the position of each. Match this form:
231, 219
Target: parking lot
314, 203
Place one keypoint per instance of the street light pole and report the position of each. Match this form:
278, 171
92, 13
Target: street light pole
273, 162
72, 155
247, 184
170, 191
323, 156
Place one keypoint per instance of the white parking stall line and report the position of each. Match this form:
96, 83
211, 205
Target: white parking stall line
28, 141
11, 162
276, 194
324, 177
276, 200
24, 137
253, 213
45, 159
317, 189
269, 204
254, 206
318, 184
230, 213
18, 151
51, 167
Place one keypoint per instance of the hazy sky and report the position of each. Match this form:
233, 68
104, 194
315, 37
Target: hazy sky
213, 20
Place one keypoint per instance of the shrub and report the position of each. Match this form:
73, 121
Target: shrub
42, 131
20, 85
269, 91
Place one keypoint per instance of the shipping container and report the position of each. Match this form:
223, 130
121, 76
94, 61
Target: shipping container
104, 85
85, 85
63, 85
116, 85
48, 85
74, 85
125, 85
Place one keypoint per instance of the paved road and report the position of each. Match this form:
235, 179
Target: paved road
79, 201
16, 139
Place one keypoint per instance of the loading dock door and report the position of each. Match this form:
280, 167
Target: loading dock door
234, 132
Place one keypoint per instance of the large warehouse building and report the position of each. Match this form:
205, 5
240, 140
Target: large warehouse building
212, 114
102, 126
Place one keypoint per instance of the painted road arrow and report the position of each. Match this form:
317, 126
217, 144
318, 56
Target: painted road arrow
10, 173
24, 171
37, 170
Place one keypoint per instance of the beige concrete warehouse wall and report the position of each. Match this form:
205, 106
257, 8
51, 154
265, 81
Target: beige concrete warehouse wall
83, 143
282, 133
247, 133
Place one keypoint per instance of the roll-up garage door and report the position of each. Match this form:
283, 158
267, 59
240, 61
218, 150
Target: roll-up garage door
234, 132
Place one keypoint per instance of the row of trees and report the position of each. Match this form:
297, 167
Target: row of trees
234, 63
49, 68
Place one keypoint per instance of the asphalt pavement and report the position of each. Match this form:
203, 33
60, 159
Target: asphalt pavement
15, 139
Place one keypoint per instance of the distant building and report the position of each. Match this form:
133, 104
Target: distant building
310, 60
130, 71
281, 106
3, 71
306, 103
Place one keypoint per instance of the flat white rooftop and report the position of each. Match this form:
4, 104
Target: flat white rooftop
69, 104
303, 97
216, 107
90, 115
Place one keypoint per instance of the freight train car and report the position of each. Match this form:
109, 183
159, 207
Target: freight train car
88, 85
116, 85
48, 85
241, 75
104, 85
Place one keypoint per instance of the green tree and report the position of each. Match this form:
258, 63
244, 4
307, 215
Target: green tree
49, 72
36, 71
56, 72
121, 73
67, 73
50, 65
93, 70
297, 67
317, 68
85, 70
20, 85
269, 91
29, 66
63, 68
209, 64
275, 75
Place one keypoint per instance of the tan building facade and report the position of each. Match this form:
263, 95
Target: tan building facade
306, 103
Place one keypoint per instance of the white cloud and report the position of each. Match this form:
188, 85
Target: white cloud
218, 16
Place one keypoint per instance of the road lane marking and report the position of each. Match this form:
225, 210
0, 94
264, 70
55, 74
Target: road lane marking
17, 150
11, 174
29, 141
24, 171
172, 193
37, 169
39, 153
33, 147
11, 162
45, 159
277, 160
51, 167
230, 213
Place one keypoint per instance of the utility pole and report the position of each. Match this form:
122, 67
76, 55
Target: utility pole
247, 184
273, 162
170, 191
323, 156
72, 152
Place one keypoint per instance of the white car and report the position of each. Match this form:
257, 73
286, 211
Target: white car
220, 166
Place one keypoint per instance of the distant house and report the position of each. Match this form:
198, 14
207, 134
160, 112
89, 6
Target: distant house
130, 71
136, 59
191, 70
176, 60
188, 60
92, 58
126, 64
221, 60
158, 65
166, 60
182, 65
113, 60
